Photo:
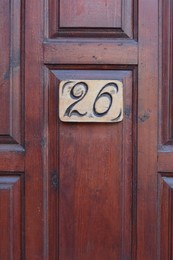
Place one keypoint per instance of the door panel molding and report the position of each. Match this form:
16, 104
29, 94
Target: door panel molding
11, 217
115, 19
98, 52
11, 79
55, 132
166, 215
166, 85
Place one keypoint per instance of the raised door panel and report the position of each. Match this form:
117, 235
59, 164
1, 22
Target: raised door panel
11, 217
165, 153
94, 214
10, 76
11, 131
81, 13
113, 18
166, 215
166, 85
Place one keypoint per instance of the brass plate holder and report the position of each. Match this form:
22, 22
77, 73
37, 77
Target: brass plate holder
91, 101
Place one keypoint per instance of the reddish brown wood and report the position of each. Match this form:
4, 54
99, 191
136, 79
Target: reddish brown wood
51, 116
165, 160
10, 81
34, 134
166, 79
124, 211
147, 228
165, 155
80, 13
12, 158
4, 68
92, 191
166, 216
10, 217
92, 52
104, 18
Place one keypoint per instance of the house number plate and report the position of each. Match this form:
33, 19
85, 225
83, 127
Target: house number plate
91, 101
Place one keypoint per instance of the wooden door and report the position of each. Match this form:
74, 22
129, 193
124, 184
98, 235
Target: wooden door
78, 190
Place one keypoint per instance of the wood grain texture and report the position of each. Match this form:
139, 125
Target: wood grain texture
92, 196
165, 159
91, 190
10, 77
165, 154
12, 154
91, 52
166, 90
166, 216
12, 158
4, 68
34, 133
54, 76
69, 18
10, 217
52, 163
147, 236
81, 13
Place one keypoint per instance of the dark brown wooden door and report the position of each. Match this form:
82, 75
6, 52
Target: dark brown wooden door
79, 191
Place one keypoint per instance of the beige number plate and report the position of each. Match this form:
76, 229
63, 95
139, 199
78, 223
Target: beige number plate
91, 101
